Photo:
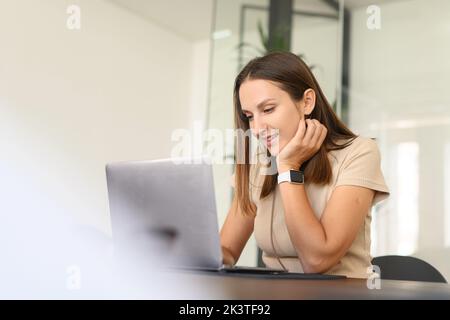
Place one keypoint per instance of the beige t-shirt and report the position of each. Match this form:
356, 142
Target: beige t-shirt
356, 165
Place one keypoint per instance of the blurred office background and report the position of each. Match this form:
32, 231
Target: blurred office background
73, 100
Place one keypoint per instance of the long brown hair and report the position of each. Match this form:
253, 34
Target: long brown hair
292, 75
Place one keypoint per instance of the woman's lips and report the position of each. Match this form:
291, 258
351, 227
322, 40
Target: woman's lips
271, 139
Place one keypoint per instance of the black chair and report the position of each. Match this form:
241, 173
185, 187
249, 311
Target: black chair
407, 268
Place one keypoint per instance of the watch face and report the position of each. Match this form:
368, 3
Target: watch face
297, 176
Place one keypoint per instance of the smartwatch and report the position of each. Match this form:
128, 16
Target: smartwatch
292, 176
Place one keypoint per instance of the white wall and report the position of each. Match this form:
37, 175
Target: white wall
200, 72
71, 101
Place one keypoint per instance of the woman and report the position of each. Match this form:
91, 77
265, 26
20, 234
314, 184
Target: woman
323, 224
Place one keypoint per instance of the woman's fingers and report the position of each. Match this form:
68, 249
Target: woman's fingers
301, 130
323, 135
319, 132
310, 130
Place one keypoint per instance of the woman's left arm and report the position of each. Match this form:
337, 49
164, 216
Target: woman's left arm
320, 244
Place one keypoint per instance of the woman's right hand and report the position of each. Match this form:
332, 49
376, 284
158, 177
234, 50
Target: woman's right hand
303, 146
227, 257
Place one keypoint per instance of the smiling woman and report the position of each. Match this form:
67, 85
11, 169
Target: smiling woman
319, 224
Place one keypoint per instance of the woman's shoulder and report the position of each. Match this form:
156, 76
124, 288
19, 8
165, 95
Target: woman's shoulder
360, 165
357, 143
353, 147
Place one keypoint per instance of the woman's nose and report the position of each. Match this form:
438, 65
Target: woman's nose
259, 127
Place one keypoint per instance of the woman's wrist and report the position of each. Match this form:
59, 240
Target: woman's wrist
284, 166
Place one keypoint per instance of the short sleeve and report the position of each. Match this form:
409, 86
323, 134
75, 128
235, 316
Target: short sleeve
362, 167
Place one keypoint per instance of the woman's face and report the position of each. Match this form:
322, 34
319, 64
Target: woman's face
273, 116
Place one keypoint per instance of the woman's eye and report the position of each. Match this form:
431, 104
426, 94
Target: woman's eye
249, 118
268, 110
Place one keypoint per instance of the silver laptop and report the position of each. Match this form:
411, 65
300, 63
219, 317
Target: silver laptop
168, 206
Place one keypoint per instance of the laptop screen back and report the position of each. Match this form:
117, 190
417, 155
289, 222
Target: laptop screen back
165, 207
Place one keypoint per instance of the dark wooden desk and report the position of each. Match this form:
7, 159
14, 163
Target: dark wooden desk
248, 287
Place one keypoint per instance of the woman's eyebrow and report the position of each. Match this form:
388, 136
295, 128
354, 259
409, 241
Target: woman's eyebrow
261, 104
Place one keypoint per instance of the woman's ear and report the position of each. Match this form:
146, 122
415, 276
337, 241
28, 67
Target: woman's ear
309, 100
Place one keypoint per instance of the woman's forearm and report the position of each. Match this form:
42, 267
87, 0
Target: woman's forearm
305, 229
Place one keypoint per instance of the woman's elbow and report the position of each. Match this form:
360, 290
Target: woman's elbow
317, 264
